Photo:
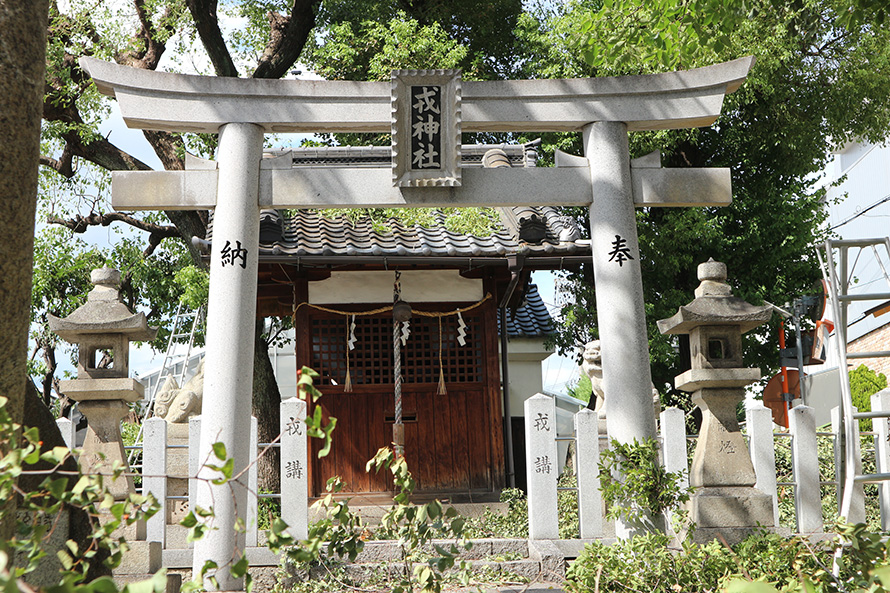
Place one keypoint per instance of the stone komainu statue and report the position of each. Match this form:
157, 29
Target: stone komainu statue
177, 405
592, 365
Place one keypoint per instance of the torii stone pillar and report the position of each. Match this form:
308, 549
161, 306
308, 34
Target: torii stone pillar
243, 109
228, 370
619, 285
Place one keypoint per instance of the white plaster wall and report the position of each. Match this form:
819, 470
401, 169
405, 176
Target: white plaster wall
418, 286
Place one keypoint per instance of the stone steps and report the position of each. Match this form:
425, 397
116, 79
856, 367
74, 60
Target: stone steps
513, 562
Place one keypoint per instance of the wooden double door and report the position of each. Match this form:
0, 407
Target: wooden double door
447, 439
453, 441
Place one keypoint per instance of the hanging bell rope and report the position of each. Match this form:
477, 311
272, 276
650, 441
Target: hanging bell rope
350, 344
398, 428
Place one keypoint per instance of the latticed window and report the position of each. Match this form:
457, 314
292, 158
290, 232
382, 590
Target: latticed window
370, 363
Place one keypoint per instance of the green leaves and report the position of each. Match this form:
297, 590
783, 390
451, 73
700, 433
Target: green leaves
657, 36
41, 508
315, 426
644, 487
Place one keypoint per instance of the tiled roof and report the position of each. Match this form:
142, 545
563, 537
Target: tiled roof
531, 320
308, 233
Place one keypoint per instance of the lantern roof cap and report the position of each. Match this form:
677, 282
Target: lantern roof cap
103, 313
715, 305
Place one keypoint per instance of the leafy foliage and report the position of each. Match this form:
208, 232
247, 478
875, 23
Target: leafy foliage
478, 37
774, 133
511, 524
416, 526
61, 492
646, 563
480, 222
864, 383
371, 50
635, 484
862, 562
582, 390
671, 33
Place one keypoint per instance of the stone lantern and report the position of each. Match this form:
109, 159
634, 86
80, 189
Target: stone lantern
104, 323
725, 500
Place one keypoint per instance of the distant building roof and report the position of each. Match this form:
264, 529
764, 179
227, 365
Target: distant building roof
531, 319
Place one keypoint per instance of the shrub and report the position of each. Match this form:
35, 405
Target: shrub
864, 382
646, 563
646, 488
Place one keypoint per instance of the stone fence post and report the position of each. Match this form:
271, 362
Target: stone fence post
294, 463
761, 444
194, 462
68, 430
587, 461
673, 443
805, 460
542, 467
674, 453
880, 402
154, 476
250, 516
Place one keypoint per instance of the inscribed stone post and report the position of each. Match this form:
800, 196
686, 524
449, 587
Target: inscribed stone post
805, 460
231, 314
294, 463
619, 298
154, 476
587, 460
542, 466
880, 402
759, 420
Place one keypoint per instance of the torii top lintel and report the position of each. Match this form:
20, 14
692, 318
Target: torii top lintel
186, 103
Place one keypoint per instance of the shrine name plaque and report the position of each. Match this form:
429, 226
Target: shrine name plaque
426, 130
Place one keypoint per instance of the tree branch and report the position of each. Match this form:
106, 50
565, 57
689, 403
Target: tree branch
204, 14
287, 36
63, 166
80, 223
147, 49
168, 147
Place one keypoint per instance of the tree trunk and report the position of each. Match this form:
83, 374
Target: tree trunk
22, 51
266, 400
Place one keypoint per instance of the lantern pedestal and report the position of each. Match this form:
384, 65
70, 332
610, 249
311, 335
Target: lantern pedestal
725, 502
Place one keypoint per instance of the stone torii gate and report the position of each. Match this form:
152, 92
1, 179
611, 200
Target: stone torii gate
241, 182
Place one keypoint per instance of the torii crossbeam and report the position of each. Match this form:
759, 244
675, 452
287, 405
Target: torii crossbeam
240, 182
